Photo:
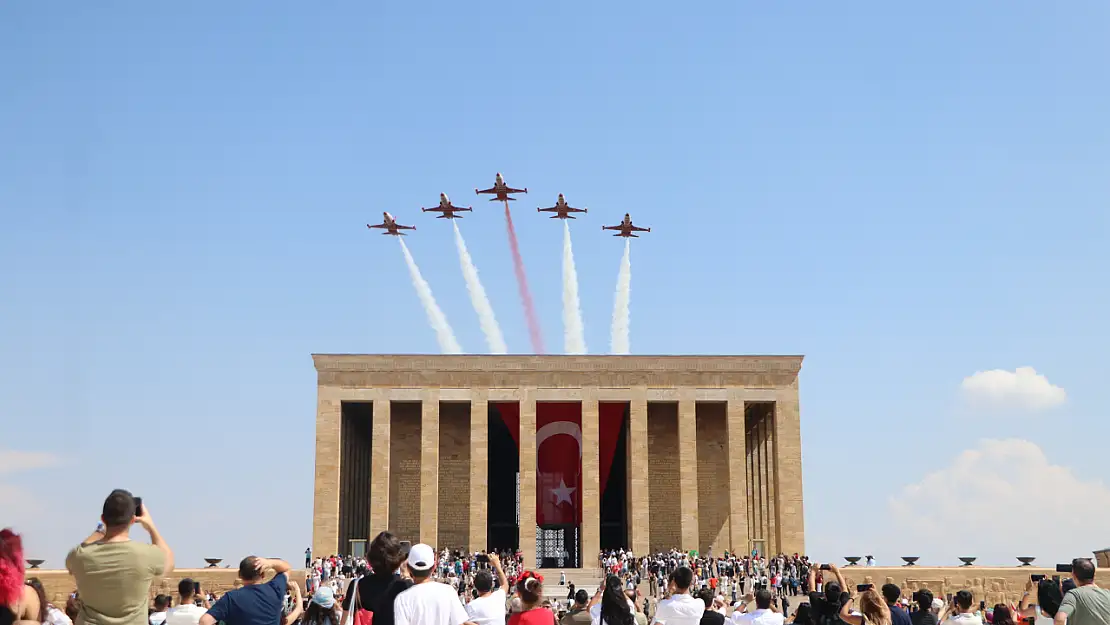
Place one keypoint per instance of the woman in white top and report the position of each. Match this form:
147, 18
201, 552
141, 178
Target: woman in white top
610, 606
1048, 602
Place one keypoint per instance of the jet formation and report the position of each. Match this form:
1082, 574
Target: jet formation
502, 192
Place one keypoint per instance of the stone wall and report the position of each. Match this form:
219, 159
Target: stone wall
59, 584
454, 475
993, 585
663, 477
713, 482
404, 470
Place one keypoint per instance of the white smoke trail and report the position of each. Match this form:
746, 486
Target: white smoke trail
446, 338
619, 341
478, 298
574, 339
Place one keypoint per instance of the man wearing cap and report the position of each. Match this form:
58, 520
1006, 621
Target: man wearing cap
427, 602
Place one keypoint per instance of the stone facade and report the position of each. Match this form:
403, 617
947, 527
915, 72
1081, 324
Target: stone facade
696, 446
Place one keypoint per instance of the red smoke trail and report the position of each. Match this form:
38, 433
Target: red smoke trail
522, 284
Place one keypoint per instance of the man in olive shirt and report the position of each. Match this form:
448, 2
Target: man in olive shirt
113, 572
1086, 604
578, 615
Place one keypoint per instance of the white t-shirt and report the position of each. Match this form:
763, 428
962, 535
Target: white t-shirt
761, 617
185, 615
680, 609
595, 613
964, 619
488, 610
429, 603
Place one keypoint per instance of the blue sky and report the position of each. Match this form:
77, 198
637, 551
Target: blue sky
906, 195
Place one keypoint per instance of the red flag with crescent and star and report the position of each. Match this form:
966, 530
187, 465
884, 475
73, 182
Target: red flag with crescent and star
559, 463
559, 454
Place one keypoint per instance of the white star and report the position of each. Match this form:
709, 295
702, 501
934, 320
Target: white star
563, 492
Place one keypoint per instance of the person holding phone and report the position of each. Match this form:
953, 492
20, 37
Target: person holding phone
113, 572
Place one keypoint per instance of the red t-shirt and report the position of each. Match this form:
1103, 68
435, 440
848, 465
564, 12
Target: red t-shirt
535, 616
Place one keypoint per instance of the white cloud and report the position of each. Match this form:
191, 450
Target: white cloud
12, 461
1020, 388
1000, 500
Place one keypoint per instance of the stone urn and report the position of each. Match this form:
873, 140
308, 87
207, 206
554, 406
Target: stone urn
35, 563
1026, 560
967, 560
852, 560
911, 560
213, 562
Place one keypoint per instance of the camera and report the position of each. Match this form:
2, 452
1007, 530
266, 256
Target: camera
1063, 568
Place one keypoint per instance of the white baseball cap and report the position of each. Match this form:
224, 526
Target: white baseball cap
421, 557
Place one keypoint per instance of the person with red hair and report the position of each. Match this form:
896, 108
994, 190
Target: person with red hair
19, 603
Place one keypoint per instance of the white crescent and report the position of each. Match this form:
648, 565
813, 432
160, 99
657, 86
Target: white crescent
556, 428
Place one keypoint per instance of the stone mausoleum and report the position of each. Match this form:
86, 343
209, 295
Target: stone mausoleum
559, 456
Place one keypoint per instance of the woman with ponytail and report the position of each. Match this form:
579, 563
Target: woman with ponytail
529, 588
610, 606
19, 603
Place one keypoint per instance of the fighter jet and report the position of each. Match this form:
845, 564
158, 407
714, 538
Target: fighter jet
561, 210
626, 228
447, 208
500, 190
391, 226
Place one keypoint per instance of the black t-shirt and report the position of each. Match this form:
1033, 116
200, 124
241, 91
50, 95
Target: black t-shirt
923, 617
824, 612
712, 617
376, 593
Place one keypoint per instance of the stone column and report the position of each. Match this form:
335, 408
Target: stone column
379, 471
528, 476
329, 425
479, 467
688, 469
639, 529
591, 477
788, 471
429, 467
737, 474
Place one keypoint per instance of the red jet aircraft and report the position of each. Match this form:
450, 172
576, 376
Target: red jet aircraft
500, 190
626, 228
391, 226
561, 210
447, 208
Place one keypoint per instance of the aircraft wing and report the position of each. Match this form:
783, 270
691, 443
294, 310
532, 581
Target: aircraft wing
639, 229
610, 227
576, 210
377, 226
400, 227
512, 190
553, 209
489, 190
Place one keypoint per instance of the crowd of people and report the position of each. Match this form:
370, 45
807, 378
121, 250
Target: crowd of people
420, 586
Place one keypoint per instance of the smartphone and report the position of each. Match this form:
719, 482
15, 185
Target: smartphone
138, 506
825, 567
1036, 578
982, 605
481, 557
1063, 568
196, 588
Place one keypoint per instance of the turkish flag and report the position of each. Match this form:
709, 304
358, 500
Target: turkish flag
559, 460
